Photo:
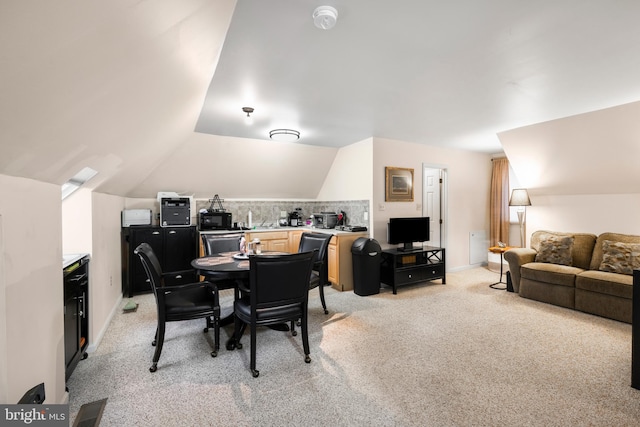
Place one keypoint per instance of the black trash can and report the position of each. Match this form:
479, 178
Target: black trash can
366, 254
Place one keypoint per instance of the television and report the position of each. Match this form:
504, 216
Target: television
406, 231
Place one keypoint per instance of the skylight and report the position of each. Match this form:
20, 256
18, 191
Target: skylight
77, 180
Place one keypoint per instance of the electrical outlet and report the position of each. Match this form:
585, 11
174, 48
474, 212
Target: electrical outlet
283, 214
366, 216
418, 207
381, 206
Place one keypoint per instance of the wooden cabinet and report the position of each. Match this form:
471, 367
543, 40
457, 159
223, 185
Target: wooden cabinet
340, 260
175, 248
270, 240
294, 240
407, 267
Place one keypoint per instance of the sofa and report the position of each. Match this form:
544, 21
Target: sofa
581, 271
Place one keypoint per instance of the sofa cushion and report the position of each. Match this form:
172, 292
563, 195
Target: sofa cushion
620, 257
554, 274
598, 250
583, 244
602, 282
556, 250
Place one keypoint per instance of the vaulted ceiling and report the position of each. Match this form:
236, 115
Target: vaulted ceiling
134, 88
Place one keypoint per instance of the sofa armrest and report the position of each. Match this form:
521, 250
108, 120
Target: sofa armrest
516, 257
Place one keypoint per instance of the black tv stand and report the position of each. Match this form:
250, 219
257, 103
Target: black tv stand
401, 267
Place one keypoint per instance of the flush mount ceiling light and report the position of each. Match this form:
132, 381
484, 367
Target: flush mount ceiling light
285, 135
325, 17
247, 110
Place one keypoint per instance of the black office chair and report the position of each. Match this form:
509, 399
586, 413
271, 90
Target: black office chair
179, 302
320, 272
278, 293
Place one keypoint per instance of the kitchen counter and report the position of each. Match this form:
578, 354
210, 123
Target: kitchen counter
68, 259
271, 229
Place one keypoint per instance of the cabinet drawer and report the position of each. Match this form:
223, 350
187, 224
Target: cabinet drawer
433, 271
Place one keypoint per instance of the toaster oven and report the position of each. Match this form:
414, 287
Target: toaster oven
325, 220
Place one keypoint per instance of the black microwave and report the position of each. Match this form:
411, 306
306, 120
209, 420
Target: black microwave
211, 220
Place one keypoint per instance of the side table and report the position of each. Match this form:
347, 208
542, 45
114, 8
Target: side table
501, 251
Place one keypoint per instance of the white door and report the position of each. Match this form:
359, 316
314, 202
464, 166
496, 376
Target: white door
432, 203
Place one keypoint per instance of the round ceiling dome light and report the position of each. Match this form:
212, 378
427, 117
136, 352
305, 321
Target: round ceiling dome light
325, 17
284, 135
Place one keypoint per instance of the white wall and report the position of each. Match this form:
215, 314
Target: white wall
105, 269
76, 222
468, 187
597, 213
32, 329
351, 173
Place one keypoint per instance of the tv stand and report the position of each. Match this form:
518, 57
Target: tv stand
401, 267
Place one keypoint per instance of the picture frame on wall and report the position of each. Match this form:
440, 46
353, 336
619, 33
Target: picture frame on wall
398, 184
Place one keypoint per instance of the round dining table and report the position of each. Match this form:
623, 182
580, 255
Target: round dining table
234, 268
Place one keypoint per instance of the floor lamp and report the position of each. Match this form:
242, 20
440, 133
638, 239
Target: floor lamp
520, 198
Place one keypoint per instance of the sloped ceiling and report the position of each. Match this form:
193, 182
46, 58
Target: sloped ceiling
146, 91
591, 153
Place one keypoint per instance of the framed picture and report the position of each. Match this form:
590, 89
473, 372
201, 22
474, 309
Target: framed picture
399, 184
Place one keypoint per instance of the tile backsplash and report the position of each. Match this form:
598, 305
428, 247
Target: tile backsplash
267, 212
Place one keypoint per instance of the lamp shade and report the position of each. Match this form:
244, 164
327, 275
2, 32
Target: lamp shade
519, 197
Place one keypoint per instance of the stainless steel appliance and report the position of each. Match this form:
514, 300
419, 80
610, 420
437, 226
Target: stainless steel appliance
295, 219
214, 220
325, 220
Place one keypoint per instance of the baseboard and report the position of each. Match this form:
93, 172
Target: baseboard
93, 346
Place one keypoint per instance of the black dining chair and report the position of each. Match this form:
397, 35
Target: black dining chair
278, 293
179, 302
320, 272
215, 244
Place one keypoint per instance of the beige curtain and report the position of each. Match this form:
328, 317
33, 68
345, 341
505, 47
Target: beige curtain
499, 202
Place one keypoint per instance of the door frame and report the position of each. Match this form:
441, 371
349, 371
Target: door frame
444, 223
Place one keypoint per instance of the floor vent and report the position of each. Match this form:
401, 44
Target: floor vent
90, 414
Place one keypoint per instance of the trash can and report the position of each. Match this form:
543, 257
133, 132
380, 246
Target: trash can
366, 254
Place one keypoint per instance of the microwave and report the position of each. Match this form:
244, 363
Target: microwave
325, 220
212, 220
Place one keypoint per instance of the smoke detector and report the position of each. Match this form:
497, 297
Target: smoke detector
325, 17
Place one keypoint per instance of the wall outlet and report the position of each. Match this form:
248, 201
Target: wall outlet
366, 216
283, 214
381, 206
418, 207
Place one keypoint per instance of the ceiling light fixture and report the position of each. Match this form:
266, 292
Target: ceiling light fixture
248, 110
285, 135
325, 17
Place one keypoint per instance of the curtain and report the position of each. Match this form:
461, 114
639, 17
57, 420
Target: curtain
499, 202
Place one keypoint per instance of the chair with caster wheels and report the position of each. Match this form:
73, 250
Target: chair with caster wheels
179, 302
278, 293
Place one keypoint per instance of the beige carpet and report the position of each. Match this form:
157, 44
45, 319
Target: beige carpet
461, 354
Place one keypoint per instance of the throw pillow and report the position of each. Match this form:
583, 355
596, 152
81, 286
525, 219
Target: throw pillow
556, 250
618, 257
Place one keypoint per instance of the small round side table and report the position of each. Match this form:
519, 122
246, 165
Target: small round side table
501, 251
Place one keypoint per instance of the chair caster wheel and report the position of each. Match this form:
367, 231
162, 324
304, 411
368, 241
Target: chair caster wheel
153, 367
205, 330
231, 346
238, 345
307, 359
153, 343
214, 354
84, 356
326, 311
294, 333
255, 373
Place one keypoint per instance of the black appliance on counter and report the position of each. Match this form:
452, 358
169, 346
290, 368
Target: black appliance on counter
295, 218
214, 220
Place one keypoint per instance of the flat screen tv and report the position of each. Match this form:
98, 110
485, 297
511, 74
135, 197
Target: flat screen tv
406, 231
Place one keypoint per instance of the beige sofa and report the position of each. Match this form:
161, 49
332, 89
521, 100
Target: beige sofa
578, 270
